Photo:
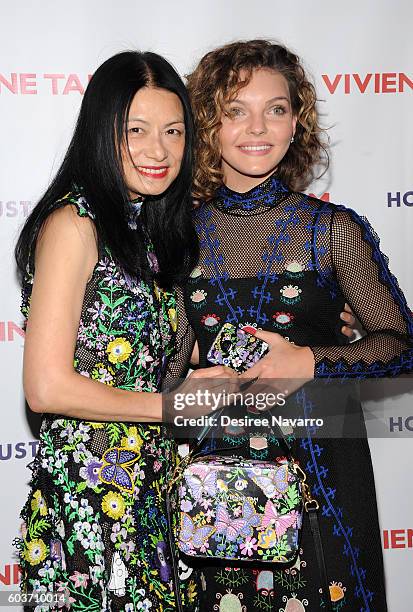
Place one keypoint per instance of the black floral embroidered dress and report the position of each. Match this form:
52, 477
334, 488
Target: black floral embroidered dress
95, 524
285, 262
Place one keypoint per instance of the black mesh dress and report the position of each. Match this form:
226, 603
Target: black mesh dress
287, 263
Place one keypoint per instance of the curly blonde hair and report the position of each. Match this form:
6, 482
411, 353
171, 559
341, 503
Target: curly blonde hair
216, 81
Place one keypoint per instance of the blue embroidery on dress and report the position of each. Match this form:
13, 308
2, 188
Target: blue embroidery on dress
382, 260
273, 254
325, 274
328, 509
398, 365
256, 196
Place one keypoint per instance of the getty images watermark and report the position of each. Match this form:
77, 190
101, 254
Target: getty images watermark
321, 408
218, 401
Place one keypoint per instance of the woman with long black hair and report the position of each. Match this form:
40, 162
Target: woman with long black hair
100, 255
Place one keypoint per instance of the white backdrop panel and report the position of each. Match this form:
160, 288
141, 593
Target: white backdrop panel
371, 158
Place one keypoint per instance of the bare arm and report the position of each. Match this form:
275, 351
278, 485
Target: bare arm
194, 360
65, 257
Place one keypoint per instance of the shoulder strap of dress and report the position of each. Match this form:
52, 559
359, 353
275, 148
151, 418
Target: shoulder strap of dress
77, 199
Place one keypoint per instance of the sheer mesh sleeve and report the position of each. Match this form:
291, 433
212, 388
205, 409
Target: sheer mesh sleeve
374, 294
185, 340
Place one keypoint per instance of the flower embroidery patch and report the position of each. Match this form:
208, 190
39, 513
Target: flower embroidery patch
251, 328
283, 320
196, 274
294, 269
210, 321
290, 294
294, 604
119, 350
337, 591
198, 298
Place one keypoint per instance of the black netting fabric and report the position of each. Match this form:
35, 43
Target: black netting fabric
287, 263
178, 365
363, 275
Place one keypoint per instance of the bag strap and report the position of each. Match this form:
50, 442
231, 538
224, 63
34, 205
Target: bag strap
311, 507
319, 551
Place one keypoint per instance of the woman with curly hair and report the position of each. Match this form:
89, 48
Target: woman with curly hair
283, 264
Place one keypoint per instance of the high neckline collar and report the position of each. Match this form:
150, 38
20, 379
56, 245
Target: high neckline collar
267, 194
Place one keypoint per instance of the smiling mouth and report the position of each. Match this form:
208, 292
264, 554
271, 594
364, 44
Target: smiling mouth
258, 149
156, 172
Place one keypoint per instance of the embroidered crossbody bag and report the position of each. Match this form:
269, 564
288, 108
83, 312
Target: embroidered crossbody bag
234, 510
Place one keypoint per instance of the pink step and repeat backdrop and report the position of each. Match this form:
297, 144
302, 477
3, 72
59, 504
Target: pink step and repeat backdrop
360, 55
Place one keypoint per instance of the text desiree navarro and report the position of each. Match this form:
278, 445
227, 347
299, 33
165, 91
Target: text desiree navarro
246, 421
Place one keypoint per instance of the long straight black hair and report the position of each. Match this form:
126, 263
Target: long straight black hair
93, 163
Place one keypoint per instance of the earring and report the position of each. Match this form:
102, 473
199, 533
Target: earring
292, 139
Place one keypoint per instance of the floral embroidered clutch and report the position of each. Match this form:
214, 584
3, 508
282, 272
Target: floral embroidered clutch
237, 509
236, 348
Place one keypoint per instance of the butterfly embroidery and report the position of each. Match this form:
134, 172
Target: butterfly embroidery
273, 485
116, 468
231, 527
191, 536
275, 525
251, 518
202, 481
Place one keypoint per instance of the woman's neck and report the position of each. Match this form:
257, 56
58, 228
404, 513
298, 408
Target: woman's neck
242, 183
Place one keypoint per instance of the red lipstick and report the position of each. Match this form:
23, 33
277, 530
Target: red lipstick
153, 172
